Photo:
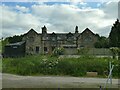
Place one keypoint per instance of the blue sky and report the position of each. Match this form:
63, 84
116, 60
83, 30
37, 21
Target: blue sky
18, 17
29, 4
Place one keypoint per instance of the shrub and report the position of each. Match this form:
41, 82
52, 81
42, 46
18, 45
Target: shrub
47, 65
115, 51
58, 51
82, 51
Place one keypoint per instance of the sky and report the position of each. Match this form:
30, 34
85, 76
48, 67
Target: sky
60, 17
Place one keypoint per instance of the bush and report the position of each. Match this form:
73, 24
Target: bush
83, 51
47, 65
58, 51
115, 51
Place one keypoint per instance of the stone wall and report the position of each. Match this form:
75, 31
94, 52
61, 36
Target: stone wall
70, 51
91, 51
101, 51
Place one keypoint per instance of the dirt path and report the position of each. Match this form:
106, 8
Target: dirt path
15, 81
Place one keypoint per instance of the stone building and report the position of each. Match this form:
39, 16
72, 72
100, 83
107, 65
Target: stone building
43, 43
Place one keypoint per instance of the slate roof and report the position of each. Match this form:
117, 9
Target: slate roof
16, 44
87, 30
60, 36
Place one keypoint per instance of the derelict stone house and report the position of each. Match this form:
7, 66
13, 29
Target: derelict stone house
46, 42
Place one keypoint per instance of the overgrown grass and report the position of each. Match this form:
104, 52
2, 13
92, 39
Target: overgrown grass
47, 65
0, 56
0, 64
0, 47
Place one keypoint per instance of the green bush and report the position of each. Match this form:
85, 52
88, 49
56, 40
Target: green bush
82, 51
47, 65
58, 51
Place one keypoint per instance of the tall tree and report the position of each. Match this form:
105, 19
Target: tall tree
114, 36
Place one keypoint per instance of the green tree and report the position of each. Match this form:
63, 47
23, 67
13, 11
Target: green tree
15, 39
114, 36
4, 42
12, 39
58, 51
102, 42
114, 51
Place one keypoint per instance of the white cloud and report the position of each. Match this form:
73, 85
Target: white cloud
58, 18
22, 8
66, 17
110, 9
16, 23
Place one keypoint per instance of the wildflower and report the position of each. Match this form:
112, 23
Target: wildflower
50, 67
56, 62
50, 63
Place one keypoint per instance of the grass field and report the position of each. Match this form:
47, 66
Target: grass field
47, 65
0, 47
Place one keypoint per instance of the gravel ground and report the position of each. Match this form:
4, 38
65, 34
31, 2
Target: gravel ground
15, 81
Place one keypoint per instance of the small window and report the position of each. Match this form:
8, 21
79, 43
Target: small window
58, 38
47, 38
53, 38
45, 49
37, 49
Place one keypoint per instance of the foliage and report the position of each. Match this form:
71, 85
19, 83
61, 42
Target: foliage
3, 43
102, 42
114, 51
0, 46
58, 51
15, 39
47, 65
114, 35
8, 40
0, 65
82, 51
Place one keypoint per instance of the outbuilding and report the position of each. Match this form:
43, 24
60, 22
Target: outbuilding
15, 49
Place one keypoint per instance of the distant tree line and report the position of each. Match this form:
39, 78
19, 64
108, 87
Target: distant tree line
13, 39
